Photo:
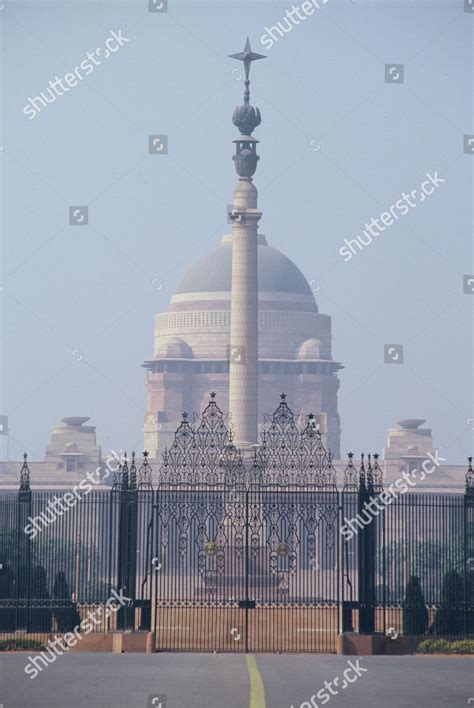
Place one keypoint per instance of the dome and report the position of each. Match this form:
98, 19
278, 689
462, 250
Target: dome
310, 349
276, 273
198, 321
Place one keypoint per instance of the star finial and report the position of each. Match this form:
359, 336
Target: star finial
247, 56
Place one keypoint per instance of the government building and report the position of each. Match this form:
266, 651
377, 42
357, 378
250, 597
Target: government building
243, 323
192, 347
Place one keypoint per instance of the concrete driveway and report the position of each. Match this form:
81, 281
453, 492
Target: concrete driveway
237, 681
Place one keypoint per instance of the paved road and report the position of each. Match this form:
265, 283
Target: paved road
237, 681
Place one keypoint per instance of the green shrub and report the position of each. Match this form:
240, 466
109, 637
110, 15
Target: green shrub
434, 646
443, 646
21, 645
462, 646
449, 618
415, 613
424, 646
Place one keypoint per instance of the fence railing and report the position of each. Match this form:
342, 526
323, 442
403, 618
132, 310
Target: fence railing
269, 543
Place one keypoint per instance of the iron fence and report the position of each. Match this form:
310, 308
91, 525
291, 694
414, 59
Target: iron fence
230, 553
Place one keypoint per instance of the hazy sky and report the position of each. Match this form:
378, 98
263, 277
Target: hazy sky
78, 301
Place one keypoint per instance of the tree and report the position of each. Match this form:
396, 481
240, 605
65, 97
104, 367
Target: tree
7, 592
449, 618
40, 614
470, 603
66, 613
415, 613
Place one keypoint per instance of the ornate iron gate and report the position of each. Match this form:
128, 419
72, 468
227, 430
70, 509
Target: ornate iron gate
248, 555
246, 570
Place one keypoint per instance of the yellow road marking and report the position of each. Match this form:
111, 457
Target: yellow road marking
257, 689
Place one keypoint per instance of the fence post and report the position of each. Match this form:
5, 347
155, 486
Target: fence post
348, 503
23, 560
468, 575
366, 539
146, 501
127, 545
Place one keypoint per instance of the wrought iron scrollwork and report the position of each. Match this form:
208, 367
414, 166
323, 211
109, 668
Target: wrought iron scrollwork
351, 477
291, 453
133, 473
294, 454
25, 475
203, 455
145, 474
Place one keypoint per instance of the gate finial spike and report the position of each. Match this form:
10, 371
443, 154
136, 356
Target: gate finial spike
25, 475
